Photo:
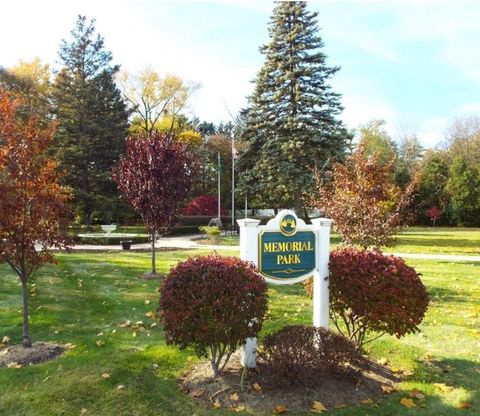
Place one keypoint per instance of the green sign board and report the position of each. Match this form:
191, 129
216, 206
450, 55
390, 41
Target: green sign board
286, 254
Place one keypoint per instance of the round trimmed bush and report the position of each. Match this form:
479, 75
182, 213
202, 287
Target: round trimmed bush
303, 355
212, 303
370, 291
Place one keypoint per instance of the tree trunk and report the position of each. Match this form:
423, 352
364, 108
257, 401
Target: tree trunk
27, 343
298, 203
87, 211
154, 269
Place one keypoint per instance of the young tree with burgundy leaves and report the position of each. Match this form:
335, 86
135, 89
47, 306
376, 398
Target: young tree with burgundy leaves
33, 205
156, 176
368, 208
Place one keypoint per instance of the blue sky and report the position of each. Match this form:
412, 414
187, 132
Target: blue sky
414, 64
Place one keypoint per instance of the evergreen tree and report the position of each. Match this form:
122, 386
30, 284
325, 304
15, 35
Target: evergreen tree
432, 182
464, 188
291, 119
92, 122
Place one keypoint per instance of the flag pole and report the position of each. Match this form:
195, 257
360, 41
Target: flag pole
233, 182
218, 169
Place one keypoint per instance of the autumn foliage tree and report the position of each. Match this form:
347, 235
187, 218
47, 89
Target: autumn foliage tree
368, 208
156, 176
33, 205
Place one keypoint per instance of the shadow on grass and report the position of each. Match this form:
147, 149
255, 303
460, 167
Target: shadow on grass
453, 379
441, 294
438, 241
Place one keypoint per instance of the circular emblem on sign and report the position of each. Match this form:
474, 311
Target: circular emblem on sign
288, 225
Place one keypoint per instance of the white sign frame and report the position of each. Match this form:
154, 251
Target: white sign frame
249, 251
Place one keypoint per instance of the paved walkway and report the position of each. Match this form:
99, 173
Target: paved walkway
189, 242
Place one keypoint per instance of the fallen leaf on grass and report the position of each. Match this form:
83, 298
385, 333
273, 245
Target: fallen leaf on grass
407, 403
382, 361
236, 409
257, 387
150, 315
388, 389
147, 302
443, 387
70, 346
234, 397
417, 394
280, 409
6, 339
340, 406
126, 324
318, 407
217, 404
197, 392
105, 375
13, 365
367, 401
120, 387
100, 343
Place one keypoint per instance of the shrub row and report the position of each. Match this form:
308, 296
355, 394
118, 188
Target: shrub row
213, 303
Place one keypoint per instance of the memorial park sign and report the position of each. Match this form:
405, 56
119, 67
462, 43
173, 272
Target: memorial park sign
287, 250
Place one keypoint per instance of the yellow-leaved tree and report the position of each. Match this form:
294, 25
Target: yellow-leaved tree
156, 102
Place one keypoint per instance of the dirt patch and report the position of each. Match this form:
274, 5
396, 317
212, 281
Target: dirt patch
226, 391
15, 356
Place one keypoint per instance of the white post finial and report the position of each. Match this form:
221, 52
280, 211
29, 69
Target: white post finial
248, 240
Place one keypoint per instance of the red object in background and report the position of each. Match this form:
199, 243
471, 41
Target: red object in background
434, 214
204, 205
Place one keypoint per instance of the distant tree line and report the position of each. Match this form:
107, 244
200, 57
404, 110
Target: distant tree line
287, 137
447, 177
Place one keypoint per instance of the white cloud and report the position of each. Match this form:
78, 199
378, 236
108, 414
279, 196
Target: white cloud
451, 27
431, 131
360, 109
469, 109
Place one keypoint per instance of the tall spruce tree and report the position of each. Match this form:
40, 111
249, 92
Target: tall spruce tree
291, 119
93, 121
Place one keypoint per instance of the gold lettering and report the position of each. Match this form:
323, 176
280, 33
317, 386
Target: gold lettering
288, 259
279, 247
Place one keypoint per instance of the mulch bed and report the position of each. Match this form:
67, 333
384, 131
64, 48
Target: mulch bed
15, 356
226, 392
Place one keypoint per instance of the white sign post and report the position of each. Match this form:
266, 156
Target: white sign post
287, 251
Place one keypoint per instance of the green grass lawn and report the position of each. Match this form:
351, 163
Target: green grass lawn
86, 297
431, 240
